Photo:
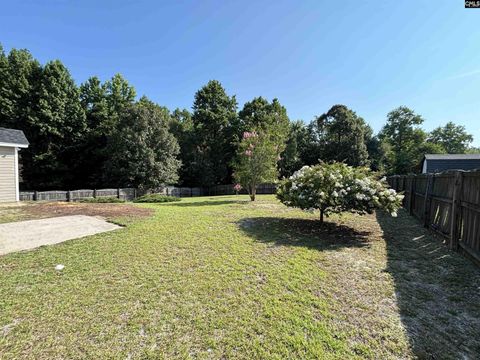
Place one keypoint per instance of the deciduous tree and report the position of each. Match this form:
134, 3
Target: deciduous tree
143, 151
405, 141
453, 138
340, 136
256, 161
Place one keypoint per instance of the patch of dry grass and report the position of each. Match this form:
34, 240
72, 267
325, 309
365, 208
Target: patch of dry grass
117, 212
13, 212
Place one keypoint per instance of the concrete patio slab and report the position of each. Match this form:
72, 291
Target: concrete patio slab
24, 235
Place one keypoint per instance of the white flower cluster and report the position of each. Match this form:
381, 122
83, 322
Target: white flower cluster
338, 187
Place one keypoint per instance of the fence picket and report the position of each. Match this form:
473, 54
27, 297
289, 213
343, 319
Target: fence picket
456, 209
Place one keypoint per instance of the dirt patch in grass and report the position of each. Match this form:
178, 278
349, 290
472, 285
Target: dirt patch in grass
109, 211
120, 213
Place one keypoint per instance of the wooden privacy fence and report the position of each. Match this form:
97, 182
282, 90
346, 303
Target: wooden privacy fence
131, 193
181, 191
74, 195
211, 191
228, 189
448, 203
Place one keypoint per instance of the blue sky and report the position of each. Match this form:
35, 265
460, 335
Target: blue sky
369, 55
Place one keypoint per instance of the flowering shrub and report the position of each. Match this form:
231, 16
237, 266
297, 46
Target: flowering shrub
336, 187
237, 188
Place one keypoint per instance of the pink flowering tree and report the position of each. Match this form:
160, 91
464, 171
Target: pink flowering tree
256, 161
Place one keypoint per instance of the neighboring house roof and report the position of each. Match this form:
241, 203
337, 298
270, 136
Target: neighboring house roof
452, 156
434, 163
12, 137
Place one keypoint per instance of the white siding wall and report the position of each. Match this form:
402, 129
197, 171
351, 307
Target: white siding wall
8, 185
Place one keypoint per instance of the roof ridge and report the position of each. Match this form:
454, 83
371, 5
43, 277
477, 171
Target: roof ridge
13, 137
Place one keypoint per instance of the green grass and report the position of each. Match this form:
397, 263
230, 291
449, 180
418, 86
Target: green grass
156, 198
223, 277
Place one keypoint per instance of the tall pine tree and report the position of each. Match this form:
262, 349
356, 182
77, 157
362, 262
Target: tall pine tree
44, 103
181, 126
59, 129
215, 126
103, 105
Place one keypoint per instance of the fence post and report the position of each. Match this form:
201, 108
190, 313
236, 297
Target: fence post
456, 206
69, 196
426, 204
94, 193
118, 193
411, 194
134, 193
35, 195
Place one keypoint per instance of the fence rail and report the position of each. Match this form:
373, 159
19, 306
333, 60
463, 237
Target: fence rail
131, 193
448, 203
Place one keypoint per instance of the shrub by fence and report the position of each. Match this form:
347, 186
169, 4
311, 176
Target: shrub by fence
130, 193
448, 203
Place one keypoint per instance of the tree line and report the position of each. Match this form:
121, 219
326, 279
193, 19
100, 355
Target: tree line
100, 134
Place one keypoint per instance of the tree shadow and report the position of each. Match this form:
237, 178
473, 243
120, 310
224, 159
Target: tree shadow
309, 233
437, 290
208, 202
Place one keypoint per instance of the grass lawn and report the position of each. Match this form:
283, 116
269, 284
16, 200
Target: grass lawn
223, 277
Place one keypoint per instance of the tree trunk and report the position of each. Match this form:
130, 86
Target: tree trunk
252, 192
321, 216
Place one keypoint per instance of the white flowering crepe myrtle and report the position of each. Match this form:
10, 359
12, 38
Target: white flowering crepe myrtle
335, 188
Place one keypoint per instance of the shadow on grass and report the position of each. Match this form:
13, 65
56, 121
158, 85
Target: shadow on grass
208, 202
438, 291
308, 233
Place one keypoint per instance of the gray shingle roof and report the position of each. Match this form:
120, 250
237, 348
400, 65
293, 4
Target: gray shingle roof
12, 136
436, 163
452, 156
